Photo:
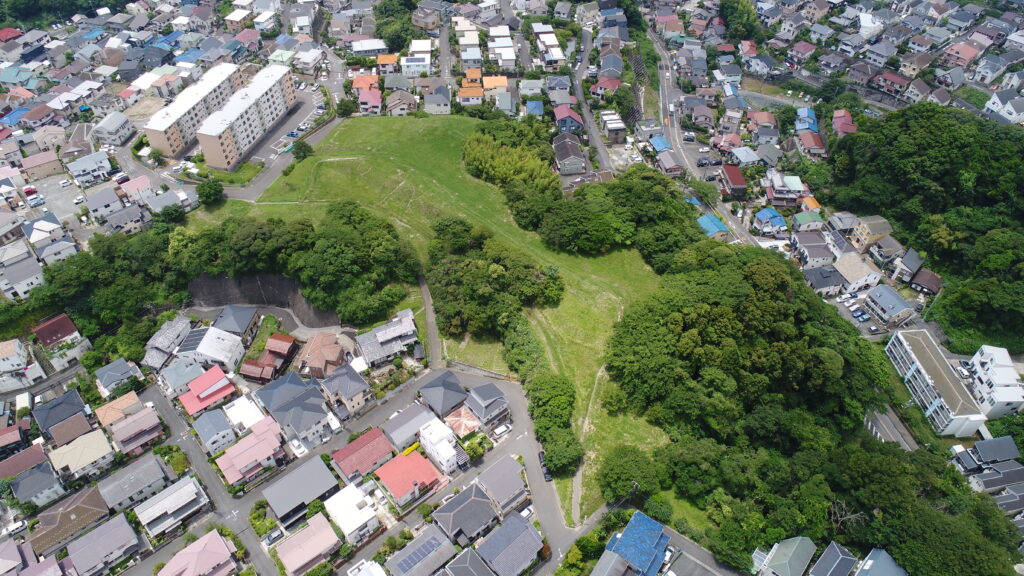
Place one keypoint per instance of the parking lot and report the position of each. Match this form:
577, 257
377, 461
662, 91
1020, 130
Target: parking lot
872, 328
305, 112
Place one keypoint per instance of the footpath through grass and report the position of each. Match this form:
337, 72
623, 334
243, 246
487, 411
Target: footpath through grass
410, 171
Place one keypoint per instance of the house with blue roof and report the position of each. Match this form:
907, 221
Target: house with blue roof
12, 118
535, 107
768, 222
639, 548
713, 227
14, 75
806, 119
192, 56
660, 144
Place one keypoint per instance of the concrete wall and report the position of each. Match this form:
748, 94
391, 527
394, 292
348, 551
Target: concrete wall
259, 290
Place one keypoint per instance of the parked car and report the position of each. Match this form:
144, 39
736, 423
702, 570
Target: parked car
547, 474
65, 183
864, 318
17, 527
711, 177
703, 161
704, 150
292, 134
298, 448
843, 298
716, 162
873, 329
501, 431
526, 512
689, 138
273, 536
79, 199
965, 364
540, 456
963, 373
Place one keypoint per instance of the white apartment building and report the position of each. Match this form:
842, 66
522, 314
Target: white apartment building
228, 134
995, 383
438, 441
947, 404
173, 128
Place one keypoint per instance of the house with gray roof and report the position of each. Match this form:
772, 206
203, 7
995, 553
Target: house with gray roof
175, 377
888, 305
133, 484
504, 485
102, 548
242, 321
512, 547
488, 403
789, 557
443, 393
834, 561
468, 563
161, 345
59, 409
467, 516
347, 390
116, 374
38, 485
383, 343
290, 495
878, 562
404, 427
424, 555
172, 507
298, 406
214, 431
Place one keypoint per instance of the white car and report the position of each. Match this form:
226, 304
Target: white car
298, 448
704, 150
17, 527
79, 199
843, 298
526, 512
501, 430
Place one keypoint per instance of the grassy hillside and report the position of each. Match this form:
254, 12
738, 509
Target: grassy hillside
409, 170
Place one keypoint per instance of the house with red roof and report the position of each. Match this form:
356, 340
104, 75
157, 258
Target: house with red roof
8, 34
811, 145
13, 438
363, 455
27, 458
211, 555
890, 83
959, 54
733, 182
208, 389
801, 51
605, 85
370, 101
748, 48
567, 119
261, 448
58, 329
407, 477
842, 123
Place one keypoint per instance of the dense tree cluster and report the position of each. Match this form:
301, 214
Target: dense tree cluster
353, 263
394, 23
552, 402
30, 14
763, 389
950, 184
741, 21
479, 283
640, 208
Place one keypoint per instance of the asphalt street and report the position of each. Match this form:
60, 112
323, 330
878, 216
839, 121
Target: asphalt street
588, 119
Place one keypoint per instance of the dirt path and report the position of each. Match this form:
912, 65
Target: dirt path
577, 480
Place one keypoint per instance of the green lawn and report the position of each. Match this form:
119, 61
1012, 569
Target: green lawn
686, 510
409, 170
238, 177
973, 95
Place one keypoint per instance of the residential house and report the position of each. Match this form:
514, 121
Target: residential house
370, 102
512, 547
360, 457
467, 516
402, 429
467, 563
115, 129
308, 547
567, 120
88, 455
926, 282
438, 441
952, 78
400, 103
858, 272
569, 157
639, 549
212, 347
40, 165
878, 54
354, 513
886, 250
768, 221
321, 355
289, 496
868, 230
789, 557
118, 373
214, 431
103, 548
887, 304
136, 432
407, 477
1006, 104
347, 390
242, 321
426, 554
933, 385
299, 407
210, 555
504, 485
489, 405
834, 561
133, 484
172, 507
438, 102
733, 183
64, 520
62, 342
917, 91
22, 461
61, 408
890, 83
90, 168
260, 449
961, 54
879, 563
906, 267
38, 485
161, 345
207, 390
386, 342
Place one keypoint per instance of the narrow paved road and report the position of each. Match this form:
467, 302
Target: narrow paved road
433, 337
588, 118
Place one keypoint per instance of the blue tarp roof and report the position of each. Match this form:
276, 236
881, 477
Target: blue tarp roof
711, 224
282, 38
806, 112
535, 107
13, 116
93, 34
693, 201
192, 55
642, 544
172, 37
772, 216
660, 144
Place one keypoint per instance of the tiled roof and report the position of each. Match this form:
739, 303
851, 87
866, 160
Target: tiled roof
360, 455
